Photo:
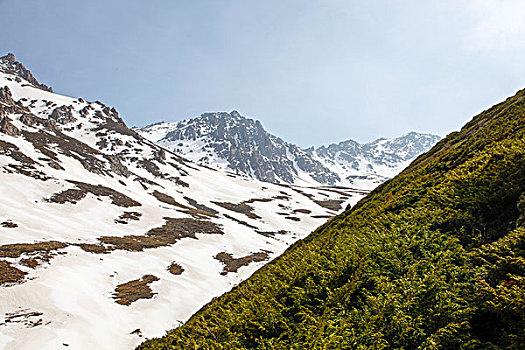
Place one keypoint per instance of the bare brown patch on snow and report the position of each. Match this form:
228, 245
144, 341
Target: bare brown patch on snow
131, 291
232, 264
175, 269
332, 204
76, 194
198, 213
10, 275
127, 216
29, 319
9, 224
242, 208
172, 231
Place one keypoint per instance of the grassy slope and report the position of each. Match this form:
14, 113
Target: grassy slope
432, 259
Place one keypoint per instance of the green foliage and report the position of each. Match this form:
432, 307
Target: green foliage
433, 259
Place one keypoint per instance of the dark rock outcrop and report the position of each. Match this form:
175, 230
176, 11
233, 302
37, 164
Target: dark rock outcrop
9, 64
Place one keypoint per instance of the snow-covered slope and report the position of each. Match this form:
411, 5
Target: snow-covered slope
107, 238
231, 141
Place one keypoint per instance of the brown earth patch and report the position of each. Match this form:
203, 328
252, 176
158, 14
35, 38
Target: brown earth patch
178, 181
272, 234
9, 224
127, 216
116, 125
307, 195
239, 221
332, 204
94, 248
168, 234
129, 292
28, 318
151, 168
322, 216
48, 144
232, 264
302, 211
196, 213
75, 195
242, 208
263, 200
45, 250
293, 218
31, 262
179, 168
164, 198
9, 274
26, 164
202, 207
175, 269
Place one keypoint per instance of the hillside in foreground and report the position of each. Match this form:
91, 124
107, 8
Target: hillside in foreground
432, 259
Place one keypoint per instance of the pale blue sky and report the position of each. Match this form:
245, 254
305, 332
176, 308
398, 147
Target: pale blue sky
314, 72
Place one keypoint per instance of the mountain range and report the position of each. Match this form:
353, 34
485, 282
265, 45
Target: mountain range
233, 142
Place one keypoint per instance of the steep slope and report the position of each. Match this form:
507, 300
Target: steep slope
106, 238
231, 141
432, 259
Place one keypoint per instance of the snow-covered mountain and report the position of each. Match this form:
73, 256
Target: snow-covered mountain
107, 238
368, 165
231, 141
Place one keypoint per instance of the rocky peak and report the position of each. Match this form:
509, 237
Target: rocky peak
9, 64
242, 144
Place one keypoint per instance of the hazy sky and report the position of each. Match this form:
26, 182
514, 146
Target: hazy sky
314, 72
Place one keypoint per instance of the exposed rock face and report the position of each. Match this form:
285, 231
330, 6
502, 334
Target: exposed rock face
245, 146
8, 128
5, 96
230, 141
8, 64
63, 115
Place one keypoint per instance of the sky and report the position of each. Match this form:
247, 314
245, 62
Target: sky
313, 72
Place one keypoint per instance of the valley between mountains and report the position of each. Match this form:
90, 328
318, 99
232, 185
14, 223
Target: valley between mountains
111, 235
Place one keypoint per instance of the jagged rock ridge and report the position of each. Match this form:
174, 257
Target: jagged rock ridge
231, 141
9, 64
243, 145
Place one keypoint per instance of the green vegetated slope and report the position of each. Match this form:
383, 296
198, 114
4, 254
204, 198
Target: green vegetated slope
433, 259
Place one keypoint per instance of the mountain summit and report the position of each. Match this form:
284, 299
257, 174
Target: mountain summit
9, 65
231, 141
